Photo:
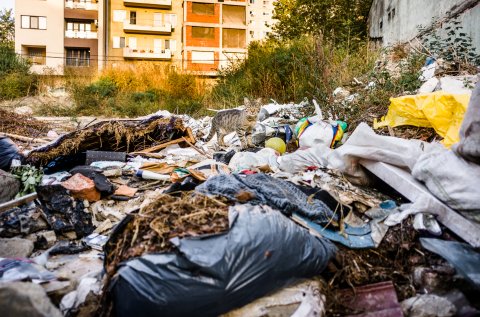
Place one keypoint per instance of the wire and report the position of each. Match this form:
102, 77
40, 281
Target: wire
121, 58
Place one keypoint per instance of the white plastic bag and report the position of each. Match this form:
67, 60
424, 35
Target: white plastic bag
450, 178
469, 145
247, 160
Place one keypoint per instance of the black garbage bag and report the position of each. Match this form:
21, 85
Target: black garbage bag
265, 189
262, 252
8, 152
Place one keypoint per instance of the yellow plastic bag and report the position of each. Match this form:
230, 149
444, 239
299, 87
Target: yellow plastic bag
439, 110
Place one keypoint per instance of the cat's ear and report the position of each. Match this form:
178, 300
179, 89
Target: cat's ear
259, 101
246, 102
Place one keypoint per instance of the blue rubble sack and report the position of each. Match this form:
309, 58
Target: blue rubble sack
262, 252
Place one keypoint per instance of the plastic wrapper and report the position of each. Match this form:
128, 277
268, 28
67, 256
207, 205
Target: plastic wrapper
263, 251
439, 110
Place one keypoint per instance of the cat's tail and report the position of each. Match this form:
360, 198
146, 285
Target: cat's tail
210, 135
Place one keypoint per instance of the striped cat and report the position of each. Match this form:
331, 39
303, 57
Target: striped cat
241, 121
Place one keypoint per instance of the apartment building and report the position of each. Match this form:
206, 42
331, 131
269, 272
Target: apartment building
214, 34
146, 30
39, 34
84, 33
55, 34
200, 36
260, 19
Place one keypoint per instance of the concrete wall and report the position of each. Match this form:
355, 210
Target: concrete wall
394, 21
51, 39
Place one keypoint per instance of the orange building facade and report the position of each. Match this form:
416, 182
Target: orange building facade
214, 35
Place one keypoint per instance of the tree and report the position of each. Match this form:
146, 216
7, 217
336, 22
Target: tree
7, 27
343, 21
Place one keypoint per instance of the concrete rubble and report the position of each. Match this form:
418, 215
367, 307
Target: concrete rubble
119, 199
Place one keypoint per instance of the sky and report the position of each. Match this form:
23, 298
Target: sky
9, 4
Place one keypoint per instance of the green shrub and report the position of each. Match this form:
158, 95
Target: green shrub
147, 96
15, 77
16, 84
10, 62
103, 88
290, 70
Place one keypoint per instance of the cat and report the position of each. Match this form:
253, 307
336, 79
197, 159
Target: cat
242, 121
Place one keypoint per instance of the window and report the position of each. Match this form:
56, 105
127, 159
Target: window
234, 38
234, 14
118, 42
171, 19
203, 8
157, 19
33, 22
37, 55
199, 32
171, 45
132, 43
77, 57
199, 57
79, 26
133, 17
119, 15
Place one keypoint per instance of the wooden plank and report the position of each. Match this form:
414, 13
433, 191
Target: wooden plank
159, 147
23, 138
17, 202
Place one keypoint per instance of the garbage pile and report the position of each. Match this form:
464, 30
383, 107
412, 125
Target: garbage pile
142, 217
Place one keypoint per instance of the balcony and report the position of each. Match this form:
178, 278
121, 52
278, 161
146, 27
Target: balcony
80, 34
147, 29
129, 53
81, 5
157, 4
77, 62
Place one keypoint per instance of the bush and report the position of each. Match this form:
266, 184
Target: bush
17, 84
290, 70
15, 77
105, 87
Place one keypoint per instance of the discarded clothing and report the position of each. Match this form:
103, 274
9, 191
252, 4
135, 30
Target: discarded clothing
215, 274
264, 189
